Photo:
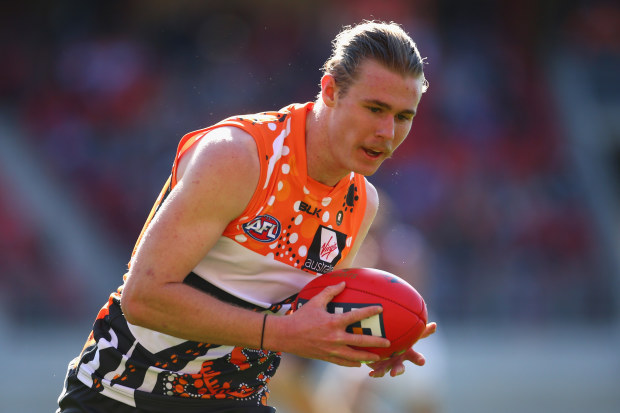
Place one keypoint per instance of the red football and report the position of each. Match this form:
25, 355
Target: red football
404, 313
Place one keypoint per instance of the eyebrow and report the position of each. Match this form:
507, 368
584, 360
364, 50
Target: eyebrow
387, 106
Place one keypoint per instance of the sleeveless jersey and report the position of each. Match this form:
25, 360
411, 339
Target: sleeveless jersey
293, 229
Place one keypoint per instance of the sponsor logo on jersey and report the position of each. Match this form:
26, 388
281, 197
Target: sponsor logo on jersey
371, 326
325, 251
309, 209
263, 228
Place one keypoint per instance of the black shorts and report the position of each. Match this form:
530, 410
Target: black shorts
79, 398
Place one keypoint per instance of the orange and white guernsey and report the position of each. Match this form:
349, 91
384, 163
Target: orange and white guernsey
293, 229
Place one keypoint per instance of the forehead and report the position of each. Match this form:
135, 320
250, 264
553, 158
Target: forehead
376, 82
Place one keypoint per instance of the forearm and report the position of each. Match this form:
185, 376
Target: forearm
182, 311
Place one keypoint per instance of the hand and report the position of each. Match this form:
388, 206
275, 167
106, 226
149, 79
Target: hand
396, 364
312, 332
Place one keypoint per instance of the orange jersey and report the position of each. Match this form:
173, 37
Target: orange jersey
292, 229
291, 221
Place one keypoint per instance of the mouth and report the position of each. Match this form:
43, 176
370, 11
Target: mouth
372, 153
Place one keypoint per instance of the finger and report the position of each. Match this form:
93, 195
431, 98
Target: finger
397, 369
351, 357
360, 314
363, 340
328, 294
344, 362
416, 358
358, 355
377, 373
430, 329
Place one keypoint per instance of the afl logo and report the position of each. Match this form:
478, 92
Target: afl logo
263, 228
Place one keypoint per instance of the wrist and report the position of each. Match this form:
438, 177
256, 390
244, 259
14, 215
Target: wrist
274, 335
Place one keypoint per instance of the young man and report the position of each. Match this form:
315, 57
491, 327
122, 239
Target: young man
256, 206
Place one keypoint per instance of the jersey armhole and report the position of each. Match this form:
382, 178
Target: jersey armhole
192, 138
363, 184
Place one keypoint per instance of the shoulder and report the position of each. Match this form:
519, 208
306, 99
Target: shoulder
221, 169
222, 148
372, 200
229, 143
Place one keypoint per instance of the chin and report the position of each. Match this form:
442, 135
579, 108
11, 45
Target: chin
367, 171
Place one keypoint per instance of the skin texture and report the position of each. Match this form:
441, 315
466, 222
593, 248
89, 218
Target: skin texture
353, 132
358, 131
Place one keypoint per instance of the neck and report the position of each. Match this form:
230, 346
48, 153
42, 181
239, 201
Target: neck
318, 150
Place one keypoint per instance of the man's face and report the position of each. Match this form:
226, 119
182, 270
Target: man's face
372, 118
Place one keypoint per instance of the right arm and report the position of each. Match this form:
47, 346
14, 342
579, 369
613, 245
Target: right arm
219, 177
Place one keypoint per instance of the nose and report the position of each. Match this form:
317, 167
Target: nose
385, 128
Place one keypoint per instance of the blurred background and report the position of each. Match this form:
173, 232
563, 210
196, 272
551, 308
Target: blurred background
502, 207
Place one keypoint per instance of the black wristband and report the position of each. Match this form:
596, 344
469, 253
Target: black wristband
262, 334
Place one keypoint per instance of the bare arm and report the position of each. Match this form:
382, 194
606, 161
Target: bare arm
220, 175
218, 180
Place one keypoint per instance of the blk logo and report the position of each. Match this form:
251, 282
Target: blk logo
263, 228
308, 209
371, 326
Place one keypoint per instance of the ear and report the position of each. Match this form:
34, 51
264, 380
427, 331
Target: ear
328, 90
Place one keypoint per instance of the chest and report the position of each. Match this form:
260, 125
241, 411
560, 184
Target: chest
298, 227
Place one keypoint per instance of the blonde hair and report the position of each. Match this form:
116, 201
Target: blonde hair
386, 43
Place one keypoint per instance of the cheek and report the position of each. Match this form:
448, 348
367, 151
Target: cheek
401, 136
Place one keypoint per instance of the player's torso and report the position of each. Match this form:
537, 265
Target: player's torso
294, 227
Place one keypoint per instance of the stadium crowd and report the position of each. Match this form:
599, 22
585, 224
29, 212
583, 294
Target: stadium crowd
485, 215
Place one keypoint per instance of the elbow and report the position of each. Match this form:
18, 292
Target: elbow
128, 305
133, 307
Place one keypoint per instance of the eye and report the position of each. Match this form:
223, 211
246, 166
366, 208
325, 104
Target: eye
374, 109
404, 118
